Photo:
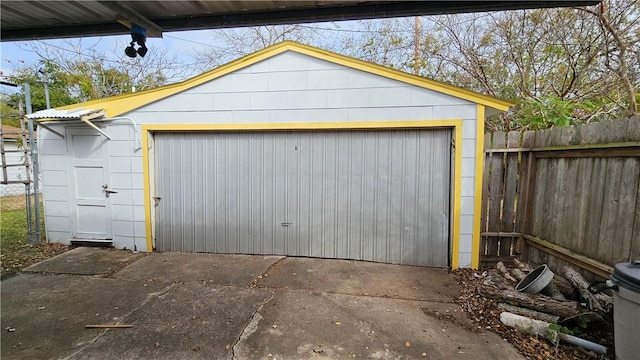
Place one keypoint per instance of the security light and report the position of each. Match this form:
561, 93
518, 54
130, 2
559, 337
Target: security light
130, 51
138, 35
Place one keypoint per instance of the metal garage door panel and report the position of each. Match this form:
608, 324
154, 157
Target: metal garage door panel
369, 195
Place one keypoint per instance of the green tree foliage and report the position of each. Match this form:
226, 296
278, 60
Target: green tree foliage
61, 89
76, 74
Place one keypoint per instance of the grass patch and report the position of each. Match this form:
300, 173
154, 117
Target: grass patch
13, 202
13, 228
15, 253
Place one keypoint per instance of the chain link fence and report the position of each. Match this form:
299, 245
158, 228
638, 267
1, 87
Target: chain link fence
17, 207
13, 197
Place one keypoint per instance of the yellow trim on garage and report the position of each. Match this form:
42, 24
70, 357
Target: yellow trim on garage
451, 123
457, 188
147, 190
119, 105
477, 204
304, 126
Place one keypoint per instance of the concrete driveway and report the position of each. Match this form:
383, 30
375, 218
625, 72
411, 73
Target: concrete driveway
192, 306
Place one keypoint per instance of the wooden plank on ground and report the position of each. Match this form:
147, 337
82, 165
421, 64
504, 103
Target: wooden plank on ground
576, 258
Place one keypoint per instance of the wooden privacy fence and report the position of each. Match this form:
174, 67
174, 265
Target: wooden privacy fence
565, 195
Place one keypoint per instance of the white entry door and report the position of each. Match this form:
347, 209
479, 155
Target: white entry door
91, 206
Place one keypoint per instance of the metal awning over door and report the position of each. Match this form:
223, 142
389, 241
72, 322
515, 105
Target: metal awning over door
367, 195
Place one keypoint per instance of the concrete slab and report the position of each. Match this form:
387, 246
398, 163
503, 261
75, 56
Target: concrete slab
187, 306
191, 321
344, 326
362, 278
305, 325
49, 312
86, 261
215, 269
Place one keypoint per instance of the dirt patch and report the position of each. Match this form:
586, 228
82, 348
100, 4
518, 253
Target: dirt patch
485, 316
15, 258
13, 202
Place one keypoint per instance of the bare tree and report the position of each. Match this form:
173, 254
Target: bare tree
235, 43
93, 74
620, 26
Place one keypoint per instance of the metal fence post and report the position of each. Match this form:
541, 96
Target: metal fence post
34, 162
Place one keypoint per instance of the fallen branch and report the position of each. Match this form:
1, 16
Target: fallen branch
504, 271
529, 313
536, 302
523, 266
518, 274
599, 303
552, 290
564, 286
108, 326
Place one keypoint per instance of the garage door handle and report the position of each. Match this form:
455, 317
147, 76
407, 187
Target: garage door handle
287, 224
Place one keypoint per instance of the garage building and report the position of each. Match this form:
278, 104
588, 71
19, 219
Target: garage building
292, 150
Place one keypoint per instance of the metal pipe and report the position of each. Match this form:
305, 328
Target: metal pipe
135, 129
27, 191
597, 348
34, 163
541, 328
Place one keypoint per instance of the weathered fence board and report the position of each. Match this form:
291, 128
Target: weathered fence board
576, 187
626, 210
510, 191
496, 191
635, 234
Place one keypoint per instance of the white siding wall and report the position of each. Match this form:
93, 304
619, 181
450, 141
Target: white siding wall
289, 87
125, 166
52, 151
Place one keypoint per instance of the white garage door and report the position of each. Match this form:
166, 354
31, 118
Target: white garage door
368, 195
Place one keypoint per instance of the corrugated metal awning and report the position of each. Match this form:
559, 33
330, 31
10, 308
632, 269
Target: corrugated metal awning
84, 115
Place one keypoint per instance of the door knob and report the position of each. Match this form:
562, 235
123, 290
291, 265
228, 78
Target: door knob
108, 192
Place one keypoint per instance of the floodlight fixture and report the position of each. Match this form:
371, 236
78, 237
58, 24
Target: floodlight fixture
139, 36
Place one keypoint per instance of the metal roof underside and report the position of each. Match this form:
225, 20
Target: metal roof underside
27, 20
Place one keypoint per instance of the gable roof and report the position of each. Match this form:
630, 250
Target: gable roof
121, 104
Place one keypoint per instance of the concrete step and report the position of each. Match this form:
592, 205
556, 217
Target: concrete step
92, 242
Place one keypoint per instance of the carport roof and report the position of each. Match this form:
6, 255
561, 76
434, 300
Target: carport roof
121, 104
23, 20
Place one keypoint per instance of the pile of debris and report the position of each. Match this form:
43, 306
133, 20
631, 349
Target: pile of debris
537, 323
